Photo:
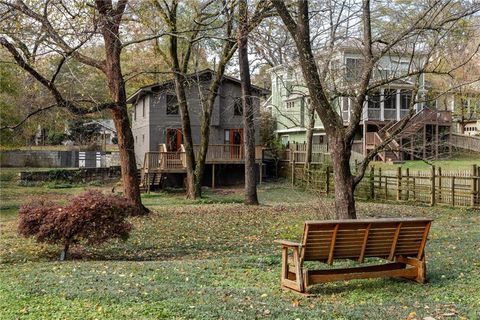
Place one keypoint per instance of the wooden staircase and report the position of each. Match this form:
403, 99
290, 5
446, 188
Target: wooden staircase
149, 181
392, 151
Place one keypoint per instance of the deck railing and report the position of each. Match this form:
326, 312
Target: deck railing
177, 160
224, 152
151, 160
171, 160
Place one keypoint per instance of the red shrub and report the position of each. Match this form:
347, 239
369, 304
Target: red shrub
90, 218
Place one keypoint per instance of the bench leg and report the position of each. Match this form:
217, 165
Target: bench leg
292, 280
419, 264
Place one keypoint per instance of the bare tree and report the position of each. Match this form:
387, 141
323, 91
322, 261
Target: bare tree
65, 37
423, 30
211, 22
247, 103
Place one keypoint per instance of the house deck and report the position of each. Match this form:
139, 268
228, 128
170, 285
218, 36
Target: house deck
176, 162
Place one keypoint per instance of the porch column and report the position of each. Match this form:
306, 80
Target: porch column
397, 105
382, 104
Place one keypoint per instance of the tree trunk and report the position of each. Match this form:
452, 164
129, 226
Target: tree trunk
333, 123
205, 128
179, 74
116, 85
311, 125
190, 182
64, 253
343, 179
247, 102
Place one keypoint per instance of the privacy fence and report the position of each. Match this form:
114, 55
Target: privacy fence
436, 186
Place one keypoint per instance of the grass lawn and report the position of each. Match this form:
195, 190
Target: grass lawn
215, 258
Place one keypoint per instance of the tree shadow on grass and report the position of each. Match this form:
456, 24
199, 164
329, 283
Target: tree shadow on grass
388, 285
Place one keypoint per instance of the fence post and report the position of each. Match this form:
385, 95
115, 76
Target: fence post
386, 187
399, 183
307, 167
439, 184
478, 184
379, 180
414, 188
453, 191
474, 185
432, 187
293, 171
407, 173
371, 185
327, 180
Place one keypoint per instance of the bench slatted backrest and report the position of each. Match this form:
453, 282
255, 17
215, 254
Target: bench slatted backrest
359, 239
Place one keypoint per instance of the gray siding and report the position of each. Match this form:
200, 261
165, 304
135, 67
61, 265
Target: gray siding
140, 129
153, 126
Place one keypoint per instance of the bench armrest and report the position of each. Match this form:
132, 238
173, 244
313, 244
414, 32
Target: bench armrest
286, 243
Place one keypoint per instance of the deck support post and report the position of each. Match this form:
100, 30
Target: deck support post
260, 171
148, 183
213, 176
432, 187
450, 141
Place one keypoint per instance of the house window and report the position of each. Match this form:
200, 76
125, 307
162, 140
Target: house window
143, 138
143, 107
135, 112
172, 104
285, 139
237, 106
389, 98
227, 136
317, 139
354, 68
290, 104
233, 136
136, 139
405, 99
374, 100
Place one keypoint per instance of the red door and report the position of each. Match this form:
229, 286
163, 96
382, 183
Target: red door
174, 139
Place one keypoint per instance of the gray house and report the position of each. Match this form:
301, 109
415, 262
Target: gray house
156, 120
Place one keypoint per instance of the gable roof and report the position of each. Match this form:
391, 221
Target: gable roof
206, 75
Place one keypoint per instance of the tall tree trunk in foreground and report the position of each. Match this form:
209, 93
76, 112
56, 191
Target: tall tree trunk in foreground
344, 195
116, 84
247, 103
179, 70
339, 143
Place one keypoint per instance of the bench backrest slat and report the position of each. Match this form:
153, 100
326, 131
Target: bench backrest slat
358, 239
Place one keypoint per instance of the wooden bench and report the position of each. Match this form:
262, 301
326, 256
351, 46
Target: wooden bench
400, 241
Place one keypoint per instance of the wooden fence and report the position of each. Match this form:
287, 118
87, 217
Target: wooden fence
455, 188
297, 153
465, 142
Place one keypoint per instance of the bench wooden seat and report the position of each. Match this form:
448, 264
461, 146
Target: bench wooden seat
400, 241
